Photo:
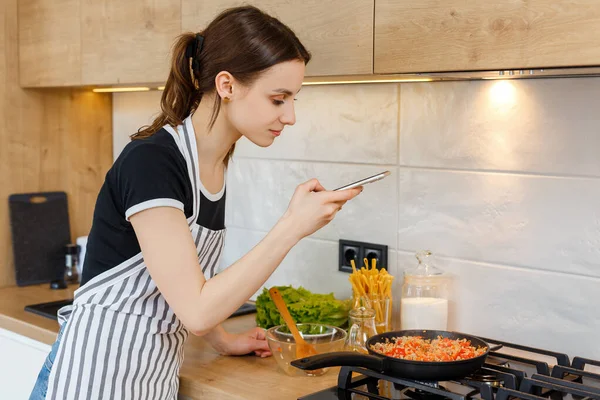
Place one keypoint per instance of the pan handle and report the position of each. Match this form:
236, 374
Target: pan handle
340, 359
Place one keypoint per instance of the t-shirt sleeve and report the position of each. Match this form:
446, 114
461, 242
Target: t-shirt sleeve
151, 176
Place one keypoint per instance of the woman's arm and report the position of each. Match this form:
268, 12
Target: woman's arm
170, 255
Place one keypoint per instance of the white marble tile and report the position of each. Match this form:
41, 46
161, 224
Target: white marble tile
539, 222
312, 263
350, 123
544, 126
131, 111
547, 310
259, 191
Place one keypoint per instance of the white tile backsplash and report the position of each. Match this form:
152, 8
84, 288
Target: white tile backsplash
354, 124
550, 126
132, 110
259, 192
313, 263
497, 179
555, 311
530, 221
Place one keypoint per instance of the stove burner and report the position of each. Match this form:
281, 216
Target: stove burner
487, 378
418, 394
432, 384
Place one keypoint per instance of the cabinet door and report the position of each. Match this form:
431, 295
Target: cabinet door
21, 361
451, 35
127, 42
338, 33
49, 47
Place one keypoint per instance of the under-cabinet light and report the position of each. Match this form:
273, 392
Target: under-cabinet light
121, 89
347, 82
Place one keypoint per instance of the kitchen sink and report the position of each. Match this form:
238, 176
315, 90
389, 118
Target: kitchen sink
49, 310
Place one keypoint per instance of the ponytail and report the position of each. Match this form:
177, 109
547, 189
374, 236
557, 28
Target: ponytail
179, 98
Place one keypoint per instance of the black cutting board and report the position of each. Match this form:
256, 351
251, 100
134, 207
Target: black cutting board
40, 231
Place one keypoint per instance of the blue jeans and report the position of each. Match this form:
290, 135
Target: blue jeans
41, 385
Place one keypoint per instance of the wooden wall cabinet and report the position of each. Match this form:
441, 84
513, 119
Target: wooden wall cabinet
49, 43
113, 42
465, 35
127, 42
338, 33
89, 42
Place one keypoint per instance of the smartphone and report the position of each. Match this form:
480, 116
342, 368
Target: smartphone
362, 182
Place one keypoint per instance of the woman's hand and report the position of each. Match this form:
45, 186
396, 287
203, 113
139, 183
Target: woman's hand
313, 207
252, 341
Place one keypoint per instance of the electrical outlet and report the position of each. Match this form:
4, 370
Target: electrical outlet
377, 252
357, 251
349, 250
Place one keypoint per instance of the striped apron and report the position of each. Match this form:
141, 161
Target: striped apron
121, 340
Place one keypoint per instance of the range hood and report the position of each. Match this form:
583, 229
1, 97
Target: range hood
537, 73
565, 72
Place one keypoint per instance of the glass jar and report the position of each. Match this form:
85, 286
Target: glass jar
362, 327
382, 305
424, 301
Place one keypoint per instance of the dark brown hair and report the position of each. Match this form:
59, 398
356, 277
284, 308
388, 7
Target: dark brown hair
243, 41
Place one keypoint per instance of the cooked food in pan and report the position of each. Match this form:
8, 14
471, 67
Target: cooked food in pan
416, 348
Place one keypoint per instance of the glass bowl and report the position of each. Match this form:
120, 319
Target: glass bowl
324, 338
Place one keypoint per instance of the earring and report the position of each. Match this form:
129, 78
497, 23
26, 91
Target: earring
226, 99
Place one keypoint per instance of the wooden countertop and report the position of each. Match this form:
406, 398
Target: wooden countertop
204, 374
13, 316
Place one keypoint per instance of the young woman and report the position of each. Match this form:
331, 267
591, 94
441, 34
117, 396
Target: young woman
158, 227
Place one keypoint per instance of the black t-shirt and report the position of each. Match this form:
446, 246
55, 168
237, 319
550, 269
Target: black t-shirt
148, 173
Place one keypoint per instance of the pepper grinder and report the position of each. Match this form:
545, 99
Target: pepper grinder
71, 257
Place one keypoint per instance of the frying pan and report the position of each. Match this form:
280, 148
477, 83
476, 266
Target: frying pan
408, 369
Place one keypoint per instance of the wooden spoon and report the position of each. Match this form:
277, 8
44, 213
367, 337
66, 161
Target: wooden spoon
303, 349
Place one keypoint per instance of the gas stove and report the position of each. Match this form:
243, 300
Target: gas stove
511, 372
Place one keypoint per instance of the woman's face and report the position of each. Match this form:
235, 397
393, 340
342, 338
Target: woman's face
261, 111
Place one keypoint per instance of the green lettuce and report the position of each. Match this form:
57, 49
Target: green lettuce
304, 307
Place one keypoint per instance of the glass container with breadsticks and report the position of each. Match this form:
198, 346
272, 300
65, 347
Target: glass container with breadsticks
372, 288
